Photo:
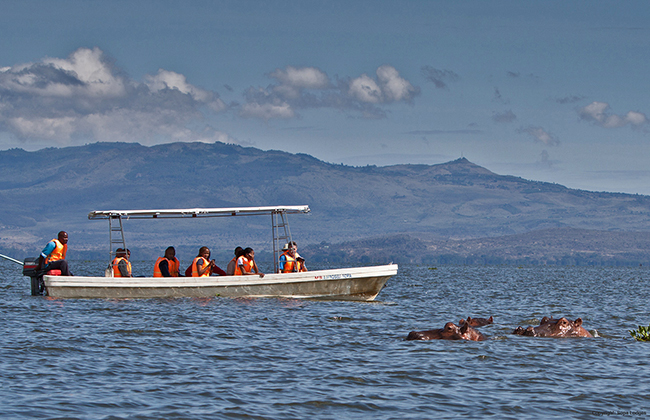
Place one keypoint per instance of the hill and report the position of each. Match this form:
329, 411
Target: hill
560, 246
52, 189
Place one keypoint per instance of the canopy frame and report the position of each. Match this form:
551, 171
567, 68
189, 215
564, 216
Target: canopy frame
279, 222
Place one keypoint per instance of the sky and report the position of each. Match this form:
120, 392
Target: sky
550, 91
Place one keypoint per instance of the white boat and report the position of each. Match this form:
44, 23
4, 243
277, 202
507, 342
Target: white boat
362, 283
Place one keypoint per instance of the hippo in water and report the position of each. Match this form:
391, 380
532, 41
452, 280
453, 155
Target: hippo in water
550, 327
450, 331
476, 322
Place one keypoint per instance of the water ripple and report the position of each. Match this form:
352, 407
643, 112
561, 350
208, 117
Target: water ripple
287, 358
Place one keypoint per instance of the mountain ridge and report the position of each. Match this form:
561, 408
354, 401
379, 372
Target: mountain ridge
52, 189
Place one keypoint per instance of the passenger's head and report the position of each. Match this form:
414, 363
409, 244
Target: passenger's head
239, 251
63, 237
248, 252
204, 252
170, 253
120, 253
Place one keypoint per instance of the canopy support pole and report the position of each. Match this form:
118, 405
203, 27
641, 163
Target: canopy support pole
281, 236
116, 235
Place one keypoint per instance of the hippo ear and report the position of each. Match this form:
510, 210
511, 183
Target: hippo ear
464, 328
578, 322
545, 320
414, 335
491, 319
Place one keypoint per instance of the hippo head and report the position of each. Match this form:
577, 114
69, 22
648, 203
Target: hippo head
450, 331
562, 328
476, 322
549, 327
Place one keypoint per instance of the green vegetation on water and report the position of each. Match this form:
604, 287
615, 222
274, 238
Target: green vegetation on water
642, 334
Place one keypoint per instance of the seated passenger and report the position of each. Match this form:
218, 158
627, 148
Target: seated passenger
121, 264
214, 269
290, 260
246, 264
230, 269
301, 261
202, 265
53, 255
168, 265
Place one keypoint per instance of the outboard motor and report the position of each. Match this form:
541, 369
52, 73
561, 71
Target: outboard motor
36, 276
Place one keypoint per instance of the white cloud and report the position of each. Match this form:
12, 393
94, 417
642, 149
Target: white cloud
46, 128
267, 111
394, 87
166, 79
85, 97
300, 88
94, 72
598, 113
635, 118
541, 135
302, 78
365, 89
389, 87
86, 74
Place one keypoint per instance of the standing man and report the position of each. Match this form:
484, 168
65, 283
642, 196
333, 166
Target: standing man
53, 255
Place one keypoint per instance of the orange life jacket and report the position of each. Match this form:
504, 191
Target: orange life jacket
173, 265
247, 263
291, 265
231, 267
58, 253
116, 268
195, 267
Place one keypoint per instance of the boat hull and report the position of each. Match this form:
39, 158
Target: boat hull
361, 284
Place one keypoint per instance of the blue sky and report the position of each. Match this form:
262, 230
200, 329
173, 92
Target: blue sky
552, 91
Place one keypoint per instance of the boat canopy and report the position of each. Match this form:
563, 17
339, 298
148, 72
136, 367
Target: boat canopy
279, 222
197, 212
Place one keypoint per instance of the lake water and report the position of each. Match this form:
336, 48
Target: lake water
291, 359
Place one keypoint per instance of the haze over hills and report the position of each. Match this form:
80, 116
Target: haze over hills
453, 203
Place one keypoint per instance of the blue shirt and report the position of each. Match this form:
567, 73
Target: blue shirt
283, 260
48, 249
